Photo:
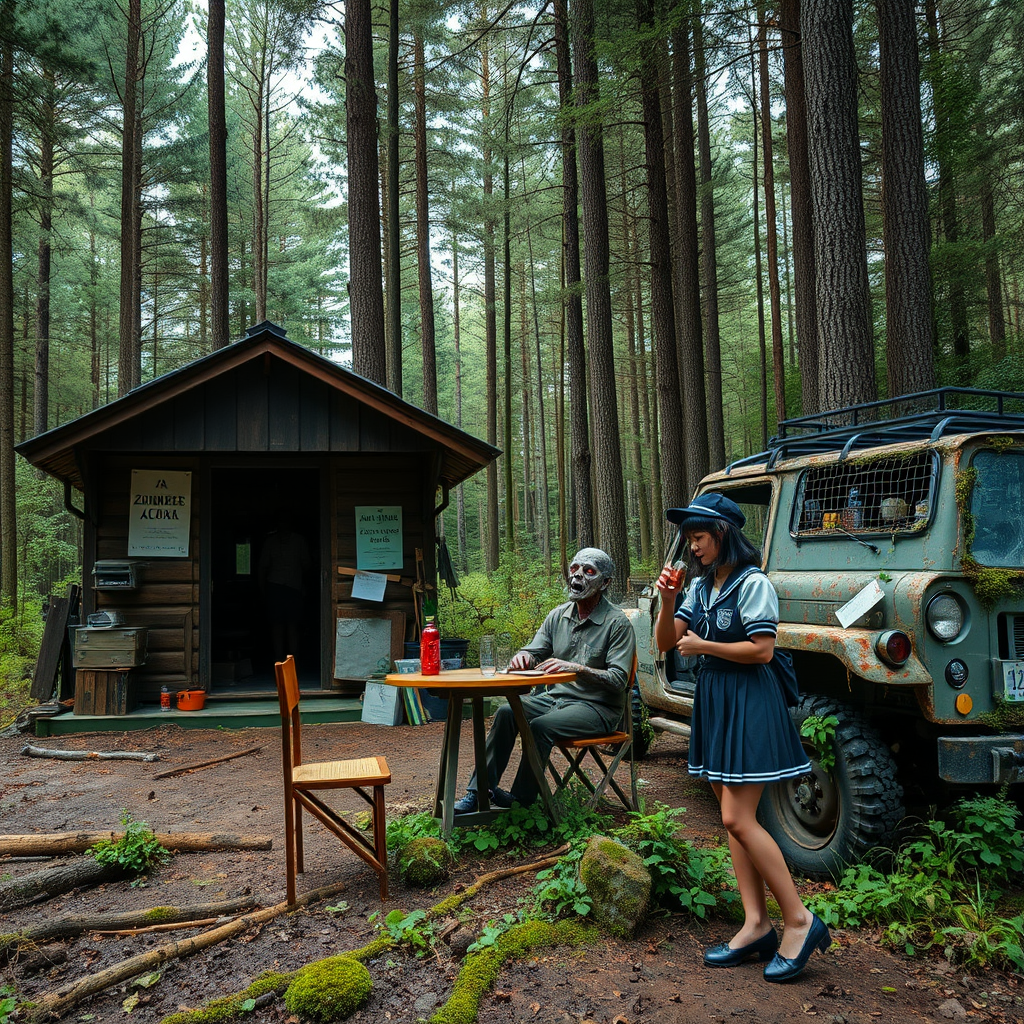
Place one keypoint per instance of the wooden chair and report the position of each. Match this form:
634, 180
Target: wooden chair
621, 743
301, 781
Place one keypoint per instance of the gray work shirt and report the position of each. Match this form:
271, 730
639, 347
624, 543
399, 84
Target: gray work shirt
603, 640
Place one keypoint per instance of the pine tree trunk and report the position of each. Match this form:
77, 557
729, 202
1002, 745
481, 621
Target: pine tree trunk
663, 323
847, 364
506, 334
762, 360
8, 508
610, 497
993, 282
366, 297
579, 428
127, 349
220, 331
544, 512
688, 315
771, 222
909, 344
709, 259
394, 236
804, 273
426, 287
460, 495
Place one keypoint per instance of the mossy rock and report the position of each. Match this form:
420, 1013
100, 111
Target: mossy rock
329, 990
426, 862
619, 885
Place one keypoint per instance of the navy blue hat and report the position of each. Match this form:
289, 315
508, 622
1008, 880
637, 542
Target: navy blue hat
709, 506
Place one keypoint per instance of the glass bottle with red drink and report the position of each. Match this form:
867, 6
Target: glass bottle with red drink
430, 649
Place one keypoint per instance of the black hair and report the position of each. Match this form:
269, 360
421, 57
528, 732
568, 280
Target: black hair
734, 548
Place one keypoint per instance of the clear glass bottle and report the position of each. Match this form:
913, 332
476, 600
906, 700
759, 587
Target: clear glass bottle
430, 649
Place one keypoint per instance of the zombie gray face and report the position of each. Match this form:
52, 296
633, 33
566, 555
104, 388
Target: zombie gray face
590, 572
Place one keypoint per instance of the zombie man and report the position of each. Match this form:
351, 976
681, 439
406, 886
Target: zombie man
587, 635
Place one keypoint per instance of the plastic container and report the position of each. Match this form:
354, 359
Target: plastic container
191, 700
165, 699
450, 649
430, 650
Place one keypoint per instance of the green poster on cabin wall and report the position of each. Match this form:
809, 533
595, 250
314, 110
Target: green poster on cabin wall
379, 540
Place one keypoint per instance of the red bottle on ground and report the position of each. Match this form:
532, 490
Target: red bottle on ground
430, 650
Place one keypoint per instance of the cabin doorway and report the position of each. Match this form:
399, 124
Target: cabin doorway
265, 545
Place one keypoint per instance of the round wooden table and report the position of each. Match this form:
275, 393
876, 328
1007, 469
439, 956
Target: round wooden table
470, 684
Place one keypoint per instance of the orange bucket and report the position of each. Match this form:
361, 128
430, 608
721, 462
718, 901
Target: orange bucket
191, 700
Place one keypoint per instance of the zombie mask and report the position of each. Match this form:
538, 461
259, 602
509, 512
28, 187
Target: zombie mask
590, 572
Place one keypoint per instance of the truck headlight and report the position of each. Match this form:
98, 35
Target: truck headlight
945, 617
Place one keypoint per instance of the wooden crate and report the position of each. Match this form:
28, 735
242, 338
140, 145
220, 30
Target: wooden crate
99, 692
109, 648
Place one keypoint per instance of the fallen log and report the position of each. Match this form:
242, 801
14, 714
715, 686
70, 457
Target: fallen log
55, 1004
88, 755
54, 881
206, 764
74, 925
57, 844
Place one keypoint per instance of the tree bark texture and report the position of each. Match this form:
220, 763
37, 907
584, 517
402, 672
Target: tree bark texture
394, 235
610, 497
847, 363
220, 332
771, 220
579, 429
366, 296
41, 391
909, 335
709, 258
804, 273
128, 356
688, 316
8, 508
663, 323
426, 286
58, 844
993, 281
55, 881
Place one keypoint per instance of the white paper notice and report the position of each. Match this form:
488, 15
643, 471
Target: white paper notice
369, 586
860, 604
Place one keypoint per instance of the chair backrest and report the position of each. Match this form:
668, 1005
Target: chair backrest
288, 697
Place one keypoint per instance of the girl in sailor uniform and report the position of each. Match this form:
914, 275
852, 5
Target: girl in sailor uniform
742, 736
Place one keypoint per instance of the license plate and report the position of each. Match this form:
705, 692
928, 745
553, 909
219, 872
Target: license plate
1013, 680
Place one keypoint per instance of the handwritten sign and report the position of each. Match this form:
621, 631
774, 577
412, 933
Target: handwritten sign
160, 513
379, 539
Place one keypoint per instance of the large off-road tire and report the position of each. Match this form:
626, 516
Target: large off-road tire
825, 820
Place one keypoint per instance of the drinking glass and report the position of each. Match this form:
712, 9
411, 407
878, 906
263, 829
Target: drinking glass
487, 667
502, 651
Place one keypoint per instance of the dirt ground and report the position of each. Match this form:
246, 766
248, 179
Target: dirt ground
658, 977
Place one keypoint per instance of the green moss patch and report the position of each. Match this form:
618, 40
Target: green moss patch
426, 862
480, 970
329, 990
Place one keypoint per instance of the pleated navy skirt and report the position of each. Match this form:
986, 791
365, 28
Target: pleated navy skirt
741, 731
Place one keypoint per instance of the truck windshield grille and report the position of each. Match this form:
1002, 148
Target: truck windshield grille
889, 494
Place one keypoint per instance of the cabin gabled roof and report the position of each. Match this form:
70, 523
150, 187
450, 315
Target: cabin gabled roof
55, 451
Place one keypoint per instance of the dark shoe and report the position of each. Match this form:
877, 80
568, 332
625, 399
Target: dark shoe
502, 798
467, 805
784, 969
723, 955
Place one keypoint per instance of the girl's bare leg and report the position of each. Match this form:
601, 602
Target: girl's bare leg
739, 816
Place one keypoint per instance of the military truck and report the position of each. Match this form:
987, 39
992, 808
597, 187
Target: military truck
894, 534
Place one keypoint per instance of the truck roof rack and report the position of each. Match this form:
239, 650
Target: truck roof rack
924, 415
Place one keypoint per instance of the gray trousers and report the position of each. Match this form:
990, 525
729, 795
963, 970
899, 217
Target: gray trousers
550, 718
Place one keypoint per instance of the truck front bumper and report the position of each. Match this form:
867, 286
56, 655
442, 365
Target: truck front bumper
993, 759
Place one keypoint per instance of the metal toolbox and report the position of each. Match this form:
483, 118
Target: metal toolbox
116, 574
108, 647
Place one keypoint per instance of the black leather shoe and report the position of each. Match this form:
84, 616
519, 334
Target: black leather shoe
723, 955
783, 969
502, 798
467, 805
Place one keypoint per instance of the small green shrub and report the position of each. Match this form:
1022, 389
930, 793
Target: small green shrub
822, 733
414, 929
329, 990
7, 1003
404, 830
560, 891
136, 851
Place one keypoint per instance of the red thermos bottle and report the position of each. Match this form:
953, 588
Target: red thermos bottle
430, 650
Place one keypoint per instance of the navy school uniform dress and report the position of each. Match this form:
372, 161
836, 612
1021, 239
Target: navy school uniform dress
741, 730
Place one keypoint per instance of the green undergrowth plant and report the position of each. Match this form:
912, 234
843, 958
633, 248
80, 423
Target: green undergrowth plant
414, 930
560, 891
683, 876
7, 1003
821, 731
942, 888
137, 851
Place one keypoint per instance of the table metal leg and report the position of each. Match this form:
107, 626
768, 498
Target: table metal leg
532, 757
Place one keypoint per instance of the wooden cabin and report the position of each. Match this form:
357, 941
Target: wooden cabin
182, 481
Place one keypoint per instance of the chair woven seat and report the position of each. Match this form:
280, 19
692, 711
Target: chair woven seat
303, 781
